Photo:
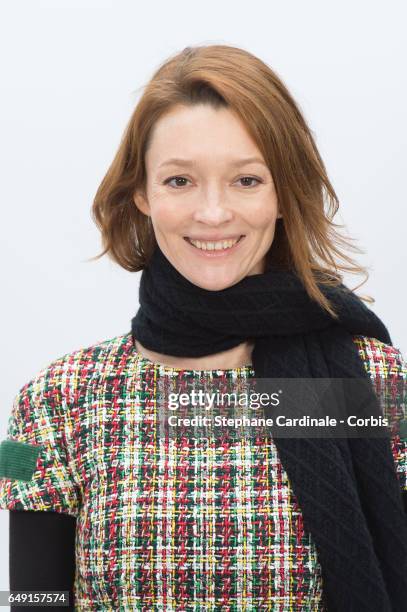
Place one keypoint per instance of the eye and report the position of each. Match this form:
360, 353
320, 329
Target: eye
250, 178
177, 178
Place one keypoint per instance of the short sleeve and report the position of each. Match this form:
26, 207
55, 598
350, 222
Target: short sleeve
399, 448
387, 368
35, 470
396, 400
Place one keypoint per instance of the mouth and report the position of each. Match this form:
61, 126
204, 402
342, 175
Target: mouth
216, 248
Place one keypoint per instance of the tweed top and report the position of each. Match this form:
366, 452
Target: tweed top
164, 524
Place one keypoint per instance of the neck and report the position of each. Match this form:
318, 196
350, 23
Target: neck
236, 357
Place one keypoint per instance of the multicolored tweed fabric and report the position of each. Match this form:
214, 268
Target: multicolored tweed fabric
165, 524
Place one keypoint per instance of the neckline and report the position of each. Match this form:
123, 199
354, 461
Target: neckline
166, 369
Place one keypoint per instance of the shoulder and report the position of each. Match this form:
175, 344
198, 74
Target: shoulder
68, 375
381, 360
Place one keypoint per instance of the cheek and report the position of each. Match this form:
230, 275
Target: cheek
264, 216
264, 205
165, 214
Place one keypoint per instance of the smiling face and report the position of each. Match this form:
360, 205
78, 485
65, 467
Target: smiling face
208, 193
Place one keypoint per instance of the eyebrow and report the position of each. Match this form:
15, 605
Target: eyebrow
188, 162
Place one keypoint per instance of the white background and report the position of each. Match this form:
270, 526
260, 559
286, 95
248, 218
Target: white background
71, 73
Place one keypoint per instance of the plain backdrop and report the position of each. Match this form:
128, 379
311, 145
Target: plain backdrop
71, 73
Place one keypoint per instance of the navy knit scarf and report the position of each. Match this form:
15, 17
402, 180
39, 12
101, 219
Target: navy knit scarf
359, 532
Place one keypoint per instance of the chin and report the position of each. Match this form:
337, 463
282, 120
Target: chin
212, 282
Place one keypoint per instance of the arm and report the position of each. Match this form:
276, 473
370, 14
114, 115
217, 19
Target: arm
42, 553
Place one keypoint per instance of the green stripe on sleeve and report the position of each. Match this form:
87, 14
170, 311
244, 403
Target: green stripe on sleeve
403, 429
18, 460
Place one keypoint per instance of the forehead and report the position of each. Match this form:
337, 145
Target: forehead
200, 133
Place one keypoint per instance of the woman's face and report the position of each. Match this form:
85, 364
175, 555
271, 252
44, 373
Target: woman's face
209, 193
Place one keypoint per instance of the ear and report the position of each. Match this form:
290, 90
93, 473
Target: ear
141, 202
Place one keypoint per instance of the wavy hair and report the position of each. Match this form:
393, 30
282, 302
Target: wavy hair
306, 241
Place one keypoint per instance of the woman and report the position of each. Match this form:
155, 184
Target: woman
217, 193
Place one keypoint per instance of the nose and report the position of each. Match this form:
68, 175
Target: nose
212, 212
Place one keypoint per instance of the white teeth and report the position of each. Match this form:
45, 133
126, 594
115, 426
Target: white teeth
214, 246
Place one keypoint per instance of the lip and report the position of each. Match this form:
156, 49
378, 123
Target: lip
216, 253
214, 238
